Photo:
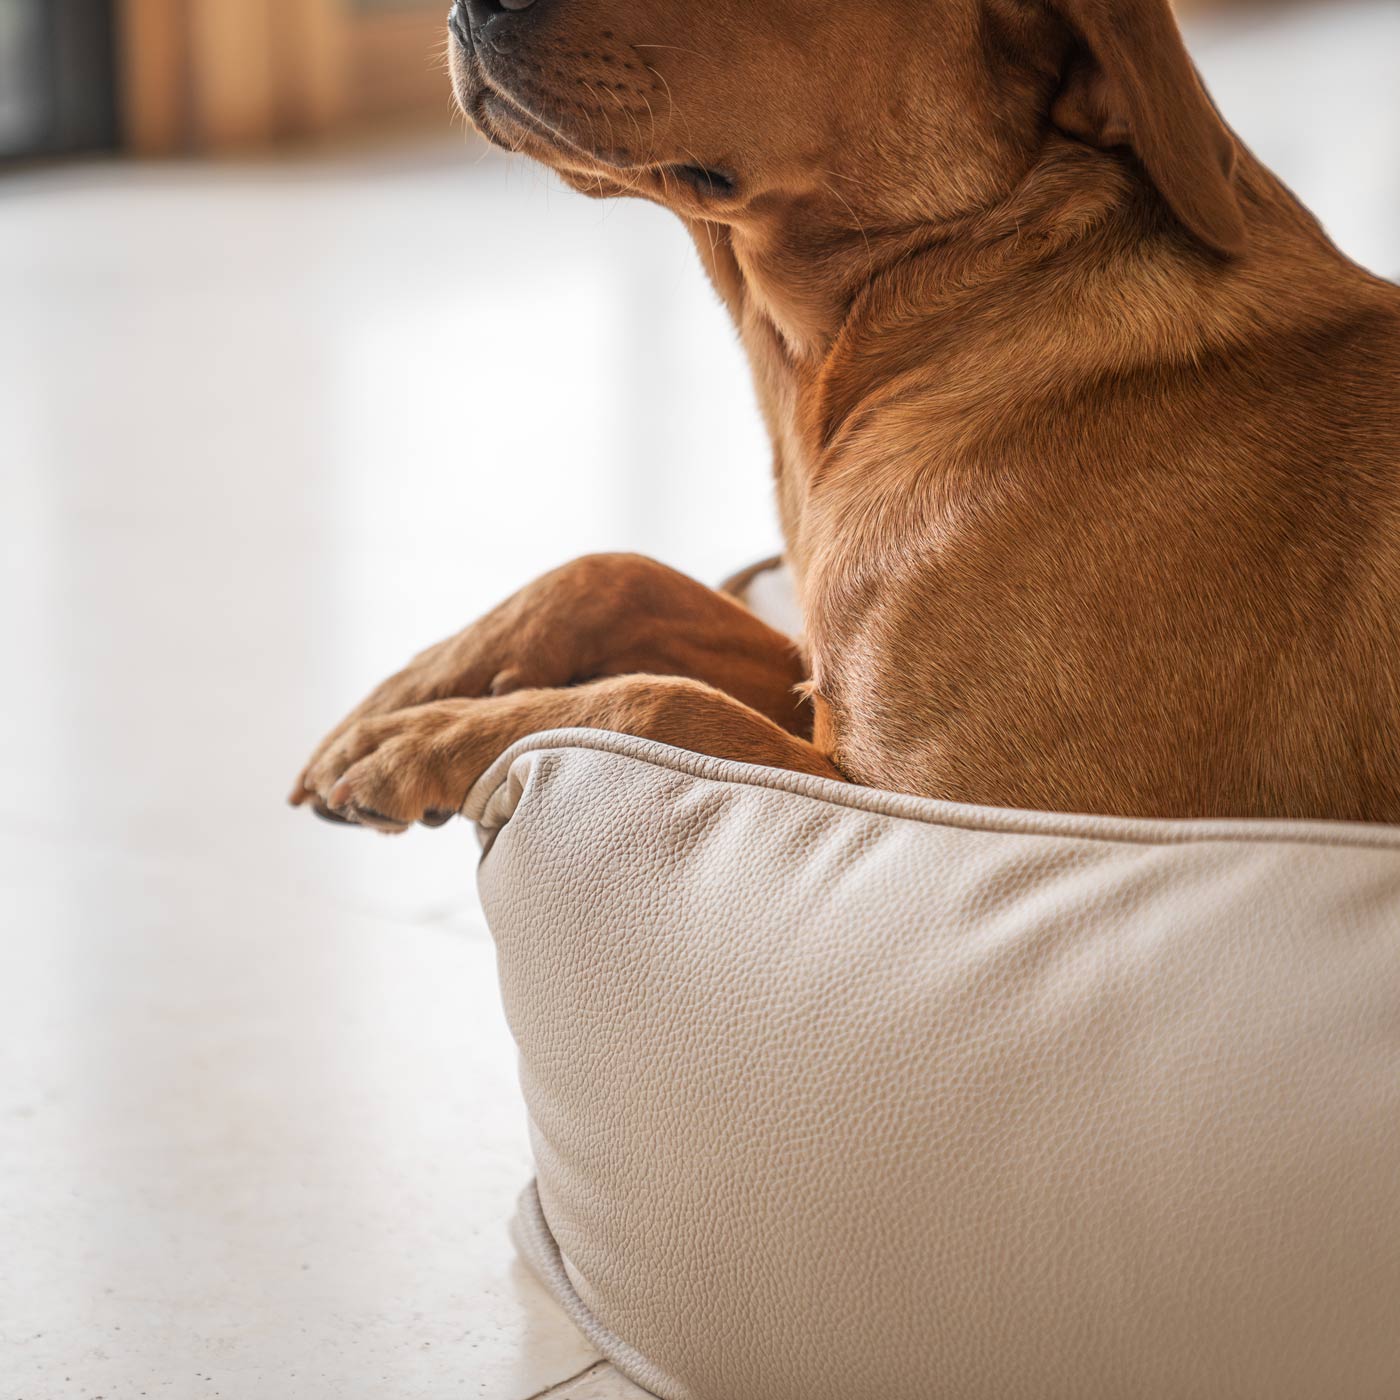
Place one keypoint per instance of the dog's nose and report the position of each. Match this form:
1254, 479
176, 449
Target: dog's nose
480, 12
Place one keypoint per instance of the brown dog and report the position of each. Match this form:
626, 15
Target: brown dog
1087, 440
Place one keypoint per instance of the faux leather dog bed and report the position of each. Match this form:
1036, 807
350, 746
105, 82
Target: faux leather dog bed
836, 1093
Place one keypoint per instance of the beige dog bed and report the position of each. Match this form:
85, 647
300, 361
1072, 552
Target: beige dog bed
842, 1094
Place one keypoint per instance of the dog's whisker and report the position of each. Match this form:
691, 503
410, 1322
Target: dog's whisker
670, 99
869, 250
618, 101
675, 48
651, 121
605, 115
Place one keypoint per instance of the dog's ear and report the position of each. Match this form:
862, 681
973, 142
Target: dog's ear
1129, 82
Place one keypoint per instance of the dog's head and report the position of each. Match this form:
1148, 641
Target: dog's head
885, 115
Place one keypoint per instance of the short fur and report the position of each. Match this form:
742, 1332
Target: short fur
1086, 438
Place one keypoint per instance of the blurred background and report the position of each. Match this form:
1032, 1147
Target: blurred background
295, 378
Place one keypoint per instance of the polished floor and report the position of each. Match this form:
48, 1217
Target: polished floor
265, 429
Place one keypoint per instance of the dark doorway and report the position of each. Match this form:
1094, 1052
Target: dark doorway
57, 77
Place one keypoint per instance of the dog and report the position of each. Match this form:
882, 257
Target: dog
1086, 438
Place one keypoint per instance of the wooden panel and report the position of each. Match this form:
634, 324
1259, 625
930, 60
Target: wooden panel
220, 75
152, 60
234, 98
310, 53
398, 63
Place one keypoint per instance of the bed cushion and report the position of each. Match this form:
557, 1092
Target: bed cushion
837, 1093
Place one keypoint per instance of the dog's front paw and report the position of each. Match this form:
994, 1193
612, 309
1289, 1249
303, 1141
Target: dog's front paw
390, 771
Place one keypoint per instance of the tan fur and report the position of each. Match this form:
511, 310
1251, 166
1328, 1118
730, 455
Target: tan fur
1086, 439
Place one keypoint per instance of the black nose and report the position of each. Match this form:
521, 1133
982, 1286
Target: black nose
480, 12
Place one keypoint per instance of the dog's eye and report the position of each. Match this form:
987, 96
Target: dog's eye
709, 184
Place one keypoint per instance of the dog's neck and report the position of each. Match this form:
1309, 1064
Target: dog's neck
832, 319
820, 305
805, 269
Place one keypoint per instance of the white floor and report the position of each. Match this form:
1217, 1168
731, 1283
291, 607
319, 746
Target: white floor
264, 430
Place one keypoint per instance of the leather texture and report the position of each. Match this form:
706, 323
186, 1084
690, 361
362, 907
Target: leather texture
840, 1094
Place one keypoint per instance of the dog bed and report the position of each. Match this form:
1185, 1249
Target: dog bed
837, 1093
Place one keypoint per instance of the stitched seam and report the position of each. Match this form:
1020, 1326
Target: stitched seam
875, 802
